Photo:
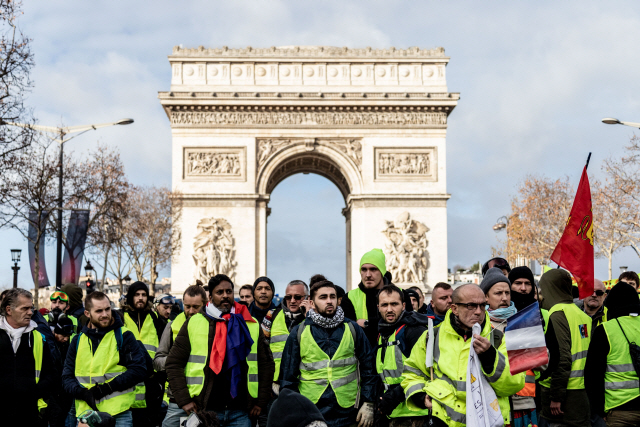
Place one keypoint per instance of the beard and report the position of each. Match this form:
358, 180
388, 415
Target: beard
328, 315
225, 309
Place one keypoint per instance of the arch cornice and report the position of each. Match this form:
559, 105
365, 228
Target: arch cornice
337, 159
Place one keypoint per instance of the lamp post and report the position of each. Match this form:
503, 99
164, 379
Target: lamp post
61, 132
88, 269
612, 121
126, 281
623, 268
502, 223
15, 257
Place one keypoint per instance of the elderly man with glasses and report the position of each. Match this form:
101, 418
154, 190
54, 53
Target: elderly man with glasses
593, 305
432, 389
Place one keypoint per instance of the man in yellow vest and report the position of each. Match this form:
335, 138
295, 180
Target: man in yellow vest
568, 333
220, 360
593, 305
328, 359
104, 363
610, 379
361, 303
193, 299
147, 326
445, 394
25, 361
399, 332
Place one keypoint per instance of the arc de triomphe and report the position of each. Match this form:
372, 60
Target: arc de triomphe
373, 121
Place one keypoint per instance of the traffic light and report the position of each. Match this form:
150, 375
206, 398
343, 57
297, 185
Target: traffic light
91, 286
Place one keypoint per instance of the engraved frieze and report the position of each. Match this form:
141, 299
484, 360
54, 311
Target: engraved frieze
406, 250
350, 147
405, 163
214, 163
214, 250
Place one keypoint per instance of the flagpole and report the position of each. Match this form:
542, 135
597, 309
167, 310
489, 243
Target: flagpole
588, 158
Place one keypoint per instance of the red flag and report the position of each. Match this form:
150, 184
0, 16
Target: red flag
575, 248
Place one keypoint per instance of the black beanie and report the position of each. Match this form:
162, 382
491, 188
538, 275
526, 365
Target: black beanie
622, 300
267, 281
293, 410
75, 295
135, 287
522, 300
340, 291
63, 325
408, 293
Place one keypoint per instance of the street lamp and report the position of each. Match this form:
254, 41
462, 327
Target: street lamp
623, 269
501, 224
62, 132
612, 121
88, 269
15, 257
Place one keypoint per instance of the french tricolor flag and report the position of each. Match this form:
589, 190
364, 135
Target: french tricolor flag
526, 347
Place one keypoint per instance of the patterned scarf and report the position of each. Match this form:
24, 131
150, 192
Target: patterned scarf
327, 322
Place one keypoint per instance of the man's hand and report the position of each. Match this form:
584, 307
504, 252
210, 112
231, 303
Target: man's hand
556, 408
480, 344
307, 304
255, 411
427, 402
190, 407
365, 415
361, 322
87, 396
275, 387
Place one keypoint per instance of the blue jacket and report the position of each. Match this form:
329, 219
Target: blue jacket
132, 357
329, 340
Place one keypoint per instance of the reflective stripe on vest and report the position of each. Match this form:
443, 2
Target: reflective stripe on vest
99, 367
38, 340
580, 327
198, 328
359, 301
391, 370
279, 335
148, 336
318, 371
620, 378
529, 385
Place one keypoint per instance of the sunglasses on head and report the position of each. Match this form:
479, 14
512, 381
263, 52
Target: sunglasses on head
58, 295
296, 297
166, 300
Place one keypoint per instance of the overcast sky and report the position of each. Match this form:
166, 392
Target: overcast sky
535, 80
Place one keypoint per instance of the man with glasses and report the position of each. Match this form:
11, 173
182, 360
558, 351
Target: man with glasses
593, 305
164, 304
427, 388
499, 262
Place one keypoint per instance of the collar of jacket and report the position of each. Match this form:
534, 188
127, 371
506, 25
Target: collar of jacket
452, 322
367, 291
386, 329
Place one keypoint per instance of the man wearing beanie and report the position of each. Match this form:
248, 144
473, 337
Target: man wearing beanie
75, 308
147, 327
611, 381
567, 334
263, 291
292, 409
523, 287
361, 304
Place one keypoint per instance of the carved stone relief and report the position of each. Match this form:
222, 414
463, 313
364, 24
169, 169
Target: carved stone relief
350, 147
405, 163
219, 163
214, 249
406, 250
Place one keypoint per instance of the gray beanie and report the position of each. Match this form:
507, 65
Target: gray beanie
494, 275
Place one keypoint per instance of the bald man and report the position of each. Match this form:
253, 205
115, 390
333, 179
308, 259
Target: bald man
453, 342
594, 304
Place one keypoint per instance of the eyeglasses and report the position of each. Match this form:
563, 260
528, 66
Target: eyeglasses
296, 297
58, 295
598, 293
471, 306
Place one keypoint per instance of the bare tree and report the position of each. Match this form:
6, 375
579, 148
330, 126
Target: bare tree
16, 61
538, 216
152, 239
28, 196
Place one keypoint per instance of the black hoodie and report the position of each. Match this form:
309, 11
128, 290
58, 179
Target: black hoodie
131, 357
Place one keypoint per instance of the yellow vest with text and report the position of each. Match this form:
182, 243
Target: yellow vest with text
620, 379
101, 367
198, 328
279, 335
359, 301
148, 336
318, 371
448, 390
580, 327
391, 372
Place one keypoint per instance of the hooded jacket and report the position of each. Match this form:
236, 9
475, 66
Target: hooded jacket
132, 357
139, 317
556, 286
328, 340
19, 392
371, 331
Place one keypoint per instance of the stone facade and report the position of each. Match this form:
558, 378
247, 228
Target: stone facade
373, 121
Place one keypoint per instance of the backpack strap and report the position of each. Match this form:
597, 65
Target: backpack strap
78, 341
625, 335
119, 339
353, 334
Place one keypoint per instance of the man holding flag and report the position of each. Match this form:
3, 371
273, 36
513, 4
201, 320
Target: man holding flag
567, 334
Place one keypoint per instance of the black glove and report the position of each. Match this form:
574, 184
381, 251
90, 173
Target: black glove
100, 390
87, 396
106, 420
391, 399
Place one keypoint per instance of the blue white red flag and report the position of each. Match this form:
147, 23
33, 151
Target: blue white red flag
526, 347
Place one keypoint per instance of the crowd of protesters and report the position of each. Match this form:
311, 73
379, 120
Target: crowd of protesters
321, 357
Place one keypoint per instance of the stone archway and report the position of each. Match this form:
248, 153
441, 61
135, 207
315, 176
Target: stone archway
372, 121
